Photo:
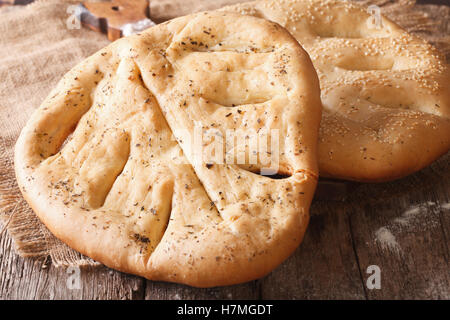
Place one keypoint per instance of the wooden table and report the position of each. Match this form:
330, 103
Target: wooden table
331, 263
407, 235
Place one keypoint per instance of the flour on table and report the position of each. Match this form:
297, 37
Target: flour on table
411, 218
177, 296
410, 215
387, 240
420, 215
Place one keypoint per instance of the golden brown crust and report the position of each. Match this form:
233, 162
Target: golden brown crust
385, 93
122, 191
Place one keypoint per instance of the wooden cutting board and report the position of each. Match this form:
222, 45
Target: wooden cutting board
110, 17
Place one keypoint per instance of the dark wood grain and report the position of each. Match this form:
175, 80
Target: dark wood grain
324, 266
171, 291
441, 2
35, 279
416, 265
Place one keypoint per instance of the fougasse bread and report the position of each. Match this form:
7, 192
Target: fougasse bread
99, 165
385, 93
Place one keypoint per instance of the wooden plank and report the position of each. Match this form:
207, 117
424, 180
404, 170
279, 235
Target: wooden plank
22, 278
172, 291
441, 2
441, 194
324, 266
109, 17
407, 237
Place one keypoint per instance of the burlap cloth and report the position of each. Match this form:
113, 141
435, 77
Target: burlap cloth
37, 48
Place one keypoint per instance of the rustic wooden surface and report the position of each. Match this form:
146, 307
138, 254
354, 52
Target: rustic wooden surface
331, 263
340, 243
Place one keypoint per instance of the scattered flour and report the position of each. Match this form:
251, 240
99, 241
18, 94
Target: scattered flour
410, 218
409, 215
387, 240
446, 206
